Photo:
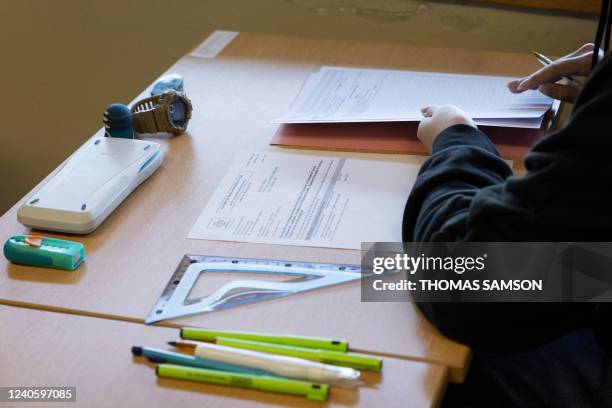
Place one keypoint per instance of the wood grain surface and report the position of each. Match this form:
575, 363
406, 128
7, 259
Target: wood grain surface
130, 258
40, 348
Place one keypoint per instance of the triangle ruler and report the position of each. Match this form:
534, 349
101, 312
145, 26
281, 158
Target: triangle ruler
302, 276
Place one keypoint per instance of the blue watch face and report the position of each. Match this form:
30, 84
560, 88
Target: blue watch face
177, 113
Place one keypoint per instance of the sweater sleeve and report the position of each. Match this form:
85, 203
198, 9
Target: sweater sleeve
463, 162
464, 179
465, 192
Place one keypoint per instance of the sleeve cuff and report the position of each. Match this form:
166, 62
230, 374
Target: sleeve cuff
463, 135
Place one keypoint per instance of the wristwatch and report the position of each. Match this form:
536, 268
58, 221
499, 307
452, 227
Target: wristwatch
167, 112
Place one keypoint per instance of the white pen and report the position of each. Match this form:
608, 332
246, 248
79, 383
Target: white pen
290, 367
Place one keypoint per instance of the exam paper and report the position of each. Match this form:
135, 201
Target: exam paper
337, 94
307, 200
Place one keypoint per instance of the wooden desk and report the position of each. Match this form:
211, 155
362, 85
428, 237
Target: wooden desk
130, 258
40, 348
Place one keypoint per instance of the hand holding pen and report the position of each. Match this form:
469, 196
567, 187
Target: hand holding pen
555, 78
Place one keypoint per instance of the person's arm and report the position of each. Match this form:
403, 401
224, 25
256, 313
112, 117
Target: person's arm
465, 168
463, 161
461, 195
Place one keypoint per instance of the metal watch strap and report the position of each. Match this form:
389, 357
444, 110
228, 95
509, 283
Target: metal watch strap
144, 118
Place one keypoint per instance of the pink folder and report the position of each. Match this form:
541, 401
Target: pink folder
391, 137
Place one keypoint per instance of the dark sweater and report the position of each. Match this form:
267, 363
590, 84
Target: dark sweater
466, 192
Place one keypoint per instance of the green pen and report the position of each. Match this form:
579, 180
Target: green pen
200, 334
312, 391
353, 360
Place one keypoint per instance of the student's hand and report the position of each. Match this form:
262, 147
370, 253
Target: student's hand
438, 118
549, 79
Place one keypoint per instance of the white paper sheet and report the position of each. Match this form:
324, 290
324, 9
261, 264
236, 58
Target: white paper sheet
307, 200
214, 44
337, 94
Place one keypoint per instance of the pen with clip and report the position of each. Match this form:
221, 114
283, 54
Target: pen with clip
285, 366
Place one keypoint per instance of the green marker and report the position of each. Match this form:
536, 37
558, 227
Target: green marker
312, 391
353, 360
195, 333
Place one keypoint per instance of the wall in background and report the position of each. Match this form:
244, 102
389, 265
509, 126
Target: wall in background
64, 61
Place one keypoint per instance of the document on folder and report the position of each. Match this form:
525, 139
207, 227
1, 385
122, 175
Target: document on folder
337, 94
308, 200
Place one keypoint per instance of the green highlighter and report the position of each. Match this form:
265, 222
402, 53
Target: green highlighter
200, 334
312, 391
44, 251
353, 360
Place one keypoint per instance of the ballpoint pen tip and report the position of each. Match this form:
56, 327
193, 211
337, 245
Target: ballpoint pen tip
182, 344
